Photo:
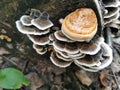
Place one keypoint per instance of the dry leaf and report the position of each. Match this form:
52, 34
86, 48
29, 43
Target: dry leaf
103, 79
83, 77
35, 81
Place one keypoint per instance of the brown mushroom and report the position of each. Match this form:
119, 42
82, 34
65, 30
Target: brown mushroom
111, 3
80, 25
42, 22
87, 61
107, 55
97, 63
59, 62
39, 40
92, 47
26, 20
65, 55
30, 30
61, 37
112, 10
40, 49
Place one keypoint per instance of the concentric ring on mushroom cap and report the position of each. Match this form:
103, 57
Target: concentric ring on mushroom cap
40, 40
40, 49
68, 55
80, 25
114, 25
111, 3
30, 30
90, 60
111, 19
52, 37
92, 47
107, 56
63, 58
42, 24
111, 12
58, 62
61, 37
70, 48
26, 20
87, 61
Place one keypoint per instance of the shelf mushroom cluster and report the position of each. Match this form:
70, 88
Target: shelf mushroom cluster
111, 13
74, 44
37, 27
80, 40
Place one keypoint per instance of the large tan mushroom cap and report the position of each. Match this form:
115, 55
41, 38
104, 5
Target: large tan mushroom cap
80, 25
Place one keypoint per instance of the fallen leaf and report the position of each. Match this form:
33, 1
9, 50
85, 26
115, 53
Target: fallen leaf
103, 79
35, 80
83, 77
58, 79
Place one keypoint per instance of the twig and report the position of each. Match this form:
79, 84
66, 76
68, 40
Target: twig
11, 61
110, 75
115, 79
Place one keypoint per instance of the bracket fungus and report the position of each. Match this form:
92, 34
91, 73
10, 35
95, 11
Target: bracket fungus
111, 12
36, 26
80, 40
80, 25
42, 22
40, 49
26, 20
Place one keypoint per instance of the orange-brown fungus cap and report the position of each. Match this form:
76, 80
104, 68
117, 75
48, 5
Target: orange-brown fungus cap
80, 25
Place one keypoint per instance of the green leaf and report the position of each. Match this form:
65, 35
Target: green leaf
11, 78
